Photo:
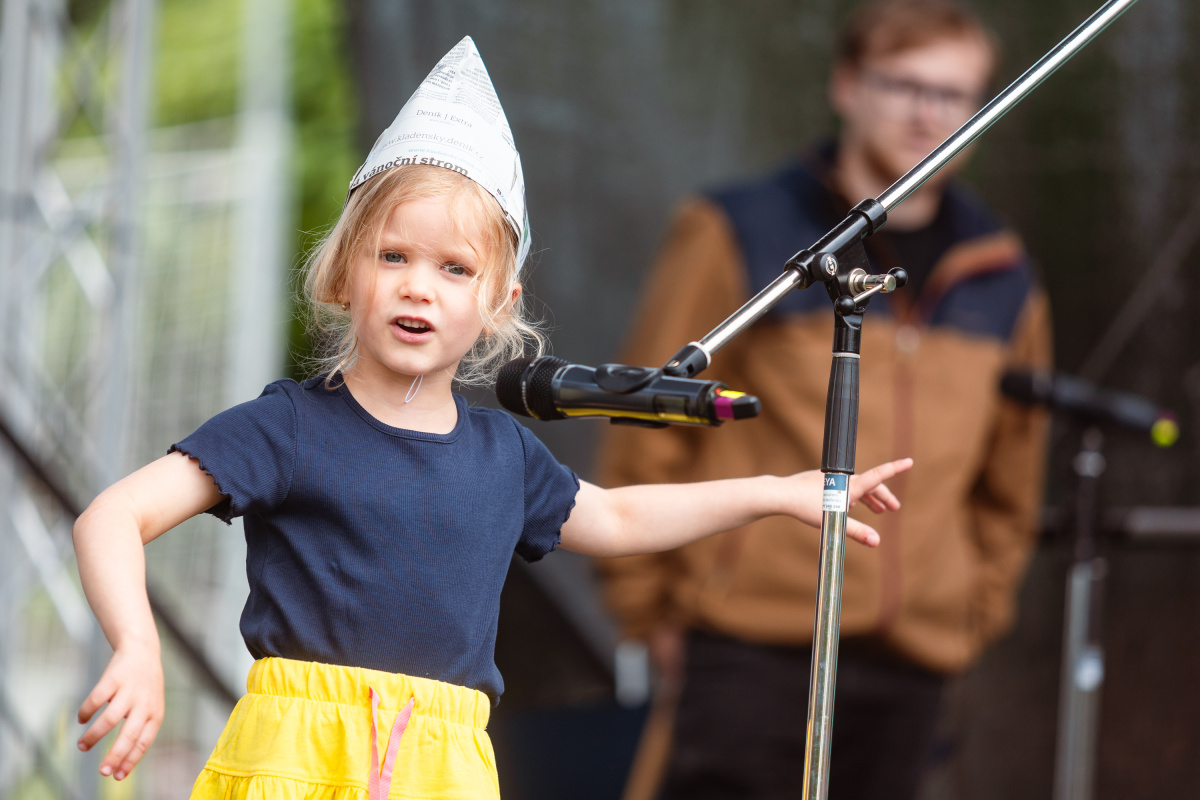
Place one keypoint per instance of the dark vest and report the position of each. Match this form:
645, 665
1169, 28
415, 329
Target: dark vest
776, 217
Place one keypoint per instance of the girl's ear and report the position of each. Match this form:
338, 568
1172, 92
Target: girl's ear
506, 307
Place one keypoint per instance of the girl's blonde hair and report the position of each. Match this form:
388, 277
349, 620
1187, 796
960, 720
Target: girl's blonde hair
506, 331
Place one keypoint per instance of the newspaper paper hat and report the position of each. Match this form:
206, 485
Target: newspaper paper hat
454, 120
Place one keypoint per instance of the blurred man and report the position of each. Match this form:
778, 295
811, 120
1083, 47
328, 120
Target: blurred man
733, 615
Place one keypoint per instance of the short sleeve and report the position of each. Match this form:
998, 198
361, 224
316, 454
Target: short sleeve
249, 451
550, 490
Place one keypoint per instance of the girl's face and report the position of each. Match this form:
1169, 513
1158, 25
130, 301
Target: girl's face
413, 300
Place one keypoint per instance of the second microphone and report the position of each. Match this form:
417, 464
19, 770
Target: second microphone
550, 388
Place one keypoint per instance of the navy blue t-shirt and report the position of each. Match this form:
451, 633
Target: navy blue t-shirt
378, 547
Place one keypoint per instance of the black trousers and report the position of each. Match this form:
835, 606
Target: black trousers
740, 727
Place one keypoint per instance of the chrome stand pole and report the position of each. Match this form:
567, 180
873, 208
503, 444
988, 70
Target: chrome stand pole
1083, 652
823, 678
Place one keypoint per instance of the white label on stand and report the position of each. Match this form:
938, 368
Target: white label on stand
837, 492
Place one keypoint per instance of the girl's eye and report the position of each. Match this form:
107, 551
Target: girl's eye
457, 269
393, 257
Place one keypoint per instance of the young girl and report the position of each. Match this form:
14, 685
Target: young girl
381, 512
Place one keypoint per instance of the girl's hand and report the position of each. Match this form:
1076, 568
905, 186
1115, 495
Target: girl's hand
867, 487
132, 686
109, 539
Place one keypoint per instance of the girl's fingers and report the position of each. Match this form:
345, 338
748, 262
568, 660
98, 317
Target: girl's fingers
95, 699
123, 744
869, 485
862, 532
873, 477
874, 504
140, 746
882, 496
880, 500
136, 736
108, 719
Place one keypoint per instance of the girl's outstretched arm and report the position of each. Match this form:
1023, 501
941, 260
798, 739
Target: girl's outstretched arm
109, 537
654, 517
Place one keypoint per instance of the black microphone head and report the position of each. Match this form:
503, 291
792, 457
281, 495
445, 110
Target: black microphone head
1088, 403
508, 386
525, 386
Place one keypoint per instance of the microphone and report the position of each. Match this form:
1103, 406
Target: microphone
1090, 403
549, 388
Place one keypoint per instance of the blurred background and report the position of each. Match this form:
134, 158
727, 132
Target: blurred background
165, 164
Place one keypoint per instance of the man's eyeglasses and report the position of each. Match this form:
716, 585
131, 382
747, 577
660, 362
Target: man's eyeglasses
952, 105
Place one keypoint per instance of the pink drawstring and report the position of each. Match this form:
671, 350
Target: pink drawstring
379, 777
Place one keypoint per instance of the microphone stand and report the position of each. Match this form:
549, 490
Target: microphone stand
1083, 652
839, 261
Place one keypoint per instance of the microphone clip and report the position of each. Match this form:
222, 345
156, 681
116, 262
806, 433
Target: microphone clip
848, 279
623, 379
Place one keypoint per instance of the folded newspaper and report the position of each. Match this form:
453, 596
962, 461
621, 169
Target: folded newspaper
454, 120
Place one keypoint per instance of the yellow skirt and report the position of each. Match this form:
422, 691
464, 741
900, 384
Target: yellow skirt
304, 730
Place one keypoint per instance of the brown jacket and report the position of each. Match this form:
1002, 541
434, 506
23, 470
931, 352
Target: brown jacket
942, 583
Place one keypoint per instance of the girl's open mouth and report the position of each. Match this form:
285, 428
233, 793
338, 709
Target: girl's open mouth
413, 326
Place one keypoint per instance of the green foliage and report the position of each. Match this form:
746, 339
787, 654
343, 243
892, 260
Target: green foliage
197, 79
197, 60
326, 113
